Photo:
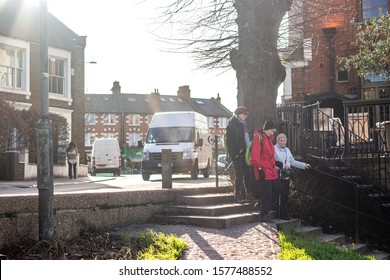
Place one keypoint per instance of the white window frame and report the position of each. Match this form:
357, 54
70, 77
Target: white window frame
89, 139
109, 119
90, 119
211, 122
222, 122
134, 119
133, 138
66, 57
25, 79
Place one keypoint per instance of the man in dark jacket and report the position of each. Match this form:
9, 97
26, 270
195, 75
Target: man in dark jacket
237, 140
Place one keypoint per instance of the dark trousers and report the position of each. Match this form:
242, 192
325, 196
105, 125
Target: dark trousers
283, 194
242, 183
264, 192
72, 167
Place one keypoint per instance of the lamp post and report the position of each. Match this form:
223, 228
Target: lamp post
330, 34
44, 139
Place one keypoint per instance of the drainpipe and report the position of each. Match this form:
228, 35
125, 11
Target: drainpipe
330, 35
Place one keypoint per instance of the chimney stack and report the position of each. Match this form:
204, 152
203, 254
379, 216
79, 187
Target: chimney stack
184, 92
218, 99
116, 88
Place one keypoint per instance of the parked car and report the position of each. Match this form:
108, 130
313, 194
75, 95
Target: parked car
222, 163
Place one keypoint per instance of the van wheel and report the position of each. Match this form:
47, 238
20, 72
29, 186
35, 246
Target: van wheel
195, 171
206, 171
145, 176
118, 173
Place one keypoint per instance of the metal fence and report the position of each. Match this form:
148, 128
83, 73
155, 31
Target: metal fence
361, 140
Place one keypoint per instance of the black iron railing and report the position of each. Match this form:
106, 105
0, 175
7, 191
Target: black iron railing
361, 140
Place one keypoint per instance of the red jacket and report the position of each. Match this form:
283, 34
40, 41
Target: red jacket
263, 156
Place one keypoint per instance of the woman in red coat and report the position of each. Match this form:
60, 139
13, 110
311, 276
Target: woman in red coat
263, 161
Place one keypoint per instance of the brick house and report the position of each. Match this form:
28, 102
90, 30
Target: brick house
20, 53
313, 73
126, 116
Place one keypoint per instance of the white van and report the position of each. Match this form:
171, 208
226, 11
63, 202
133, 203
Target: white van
186, 135
105, 157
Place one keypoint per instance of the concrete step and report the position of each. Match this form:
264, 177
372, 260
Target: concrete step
313, 231
336, 238
206, 199
224, 221
379, 255
282, 224
339, 168
209, 210
365, 186
382, 198
358, 247
355, 178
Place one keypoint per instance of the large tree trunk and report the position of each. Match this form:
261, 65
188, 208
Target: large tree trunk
258, 68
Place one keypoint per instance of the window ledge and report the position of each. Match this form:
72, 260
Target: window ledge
17, 91
61, 98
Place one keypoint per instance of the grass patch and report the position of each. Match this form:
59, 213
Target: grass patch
302, 246
149, 245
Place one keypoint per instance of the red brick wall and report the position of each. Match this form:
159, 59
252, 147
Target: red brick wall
314, 78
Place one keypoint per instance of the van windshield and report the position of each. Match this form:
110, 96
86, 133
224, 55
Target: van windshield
170, 134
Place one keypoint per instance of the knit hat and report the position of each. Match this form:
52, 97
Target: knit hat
269, 125
241, 110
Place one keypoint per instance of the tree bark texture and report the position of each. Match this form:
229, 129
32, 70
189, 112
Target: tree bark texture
256, 62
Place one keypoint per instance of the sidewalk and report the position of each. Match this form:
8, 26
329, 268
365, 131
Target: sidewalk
56, 182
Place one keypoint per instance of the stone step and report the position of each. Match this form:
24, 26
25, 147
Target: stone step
381, 197
282, 224
358, 247
209, 210
314, 231
365, 186
206, 199
339, 168
224, 221
352, 177
336, 238
379, 255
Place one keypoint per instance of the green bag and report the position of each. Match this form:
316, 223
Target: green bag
249, 150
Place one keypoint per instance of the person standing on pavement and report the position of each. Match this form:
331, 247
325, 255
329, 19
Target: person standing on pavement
237, 139
71, 153
263, 161
286, 161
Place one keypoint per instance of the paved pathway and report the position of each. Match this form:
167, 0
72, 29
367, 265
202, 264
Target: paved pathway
252, 241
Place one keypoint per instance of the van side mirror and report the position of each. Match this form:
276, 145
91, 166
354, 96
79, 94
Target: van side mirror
140, 144
200, 142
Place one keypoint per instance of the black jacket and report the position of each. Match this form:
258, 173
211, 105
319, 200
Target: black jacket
235, 138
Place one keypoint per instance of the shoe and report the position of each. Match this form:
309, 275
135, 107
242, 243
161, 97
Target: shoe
70, 177
257, 205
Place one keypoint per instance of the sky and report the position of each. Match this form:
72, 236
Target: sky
120, 40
